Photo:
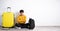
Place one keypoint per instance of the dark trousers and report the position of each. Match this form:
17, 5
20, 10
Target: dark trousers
22, 25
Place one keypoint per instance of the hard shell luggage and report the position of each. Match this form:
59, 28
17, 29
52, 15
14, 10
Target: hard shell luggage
7, 19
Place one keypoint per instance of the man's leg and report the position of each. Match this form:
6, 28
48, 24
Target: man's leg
22, 25
25, 25
18, 25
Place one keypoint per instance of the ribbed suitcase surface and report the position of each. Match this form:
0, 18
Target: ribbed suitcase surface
8, 19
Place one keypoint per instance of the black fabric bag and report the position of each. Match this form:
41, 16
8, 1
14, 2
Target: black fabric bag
31, 23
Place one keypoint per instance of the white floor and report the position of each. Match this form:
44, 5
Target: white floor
41, 28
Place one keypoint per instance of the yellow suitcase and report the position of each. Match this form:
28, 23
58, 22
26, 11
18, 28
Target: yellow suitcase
8, 19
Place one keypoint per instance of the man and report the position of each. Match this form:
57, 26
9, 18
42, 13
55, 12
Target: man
21, 20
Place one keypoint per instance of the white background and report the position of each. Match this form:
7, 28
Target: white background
44, 12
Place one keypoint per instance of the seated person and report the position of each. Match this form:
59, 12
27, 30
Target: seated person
21, 20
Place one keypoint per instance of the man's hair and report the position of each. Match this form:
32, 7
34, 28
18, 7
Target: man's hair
21, 11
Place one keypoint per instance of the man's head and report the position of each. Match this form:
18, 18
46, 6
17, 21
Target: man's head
21, 12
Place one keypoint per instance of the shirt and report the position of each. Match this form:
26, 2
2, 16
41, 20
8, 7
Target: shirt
21, 19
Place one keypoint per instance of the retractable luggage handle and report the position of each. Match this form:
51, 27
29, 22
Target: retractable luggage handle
8, 9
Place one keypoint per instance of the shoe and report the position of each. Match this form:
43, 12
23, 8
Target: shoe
18, 27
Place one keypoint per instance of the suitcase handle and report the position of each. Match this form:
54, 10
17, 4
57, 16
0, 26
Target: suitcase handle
8, 9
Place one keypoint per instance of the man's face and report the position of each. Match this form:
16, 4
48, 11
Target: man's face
21, 13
